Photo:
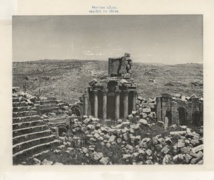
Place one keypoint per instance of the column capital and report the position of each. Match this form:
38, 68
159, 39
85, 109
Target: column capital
95, 91
134, 92
104, 91
117, 90
125, 91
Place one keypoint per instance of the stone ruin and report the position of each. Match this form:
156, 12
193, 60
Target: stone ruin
180, 109
42, 135
113, 97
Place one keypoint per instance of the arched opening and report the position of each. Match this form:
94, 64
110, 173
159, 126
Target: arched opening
76, 111
182, 115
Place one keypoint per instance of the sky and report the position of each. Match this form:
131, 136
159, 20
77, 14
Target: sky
169, 39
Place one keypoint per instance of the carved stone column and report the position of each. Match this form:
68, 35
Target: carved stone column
134, 101
85, 96
95, 103
125, 103
104, 92
117, 104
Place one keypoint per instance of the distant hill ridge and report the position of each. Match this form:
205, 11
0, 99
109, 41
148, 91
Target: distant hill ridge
67, 79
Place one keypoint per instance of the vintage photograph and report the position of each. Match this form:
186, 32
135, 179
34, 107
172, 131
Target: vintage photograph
107, 90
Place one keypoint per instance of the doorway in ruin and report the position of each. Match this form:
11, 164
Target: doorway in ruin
169, 116
62, 130
182, 115
196, 118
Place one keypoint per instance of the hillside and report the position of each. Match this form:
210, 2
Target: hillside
67, 79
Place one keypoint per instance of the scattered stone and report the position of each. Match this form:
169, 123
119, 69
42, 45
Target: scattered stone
46, 162
198, 148
104, 160
143, 121
36, 161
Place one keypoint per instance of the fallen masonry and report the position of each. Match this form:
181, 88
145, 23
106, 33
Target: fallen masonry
111, 124
93, 141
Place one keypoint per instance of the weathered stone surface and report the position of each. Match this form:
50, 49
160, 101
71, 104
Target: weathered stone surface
146, 110
36, 161
104, 160
98, 155
143, 121
198, 148
46, 162
177, 132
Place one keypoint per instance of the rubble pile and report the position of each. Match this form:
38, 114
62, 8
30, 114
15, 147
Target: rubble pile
184, 98
146, 108
130, 143
139, 139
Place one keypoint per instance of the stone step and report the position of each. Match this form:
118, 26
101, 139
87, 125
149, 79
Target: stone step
27, 130
33, 142
41, 154
23, 108
26, 153
29, 136
20, 104
27, 124
51, 102
48, 106
26, 118
49, 109
24, 113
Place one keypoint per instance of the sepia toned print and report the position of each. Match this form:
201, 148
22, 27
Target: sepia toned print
99, 91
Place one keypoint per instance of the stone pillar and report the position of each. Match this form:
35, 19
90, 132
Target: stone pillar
95, 103
134, 101
117, 105
125, 103
159, 108
104, 104
85, 96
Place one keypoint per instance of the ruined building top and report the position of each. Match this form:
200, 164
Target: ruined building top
120, 67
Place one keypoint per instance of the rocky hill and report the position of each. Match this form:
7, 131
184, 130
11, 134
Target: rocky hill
67, 79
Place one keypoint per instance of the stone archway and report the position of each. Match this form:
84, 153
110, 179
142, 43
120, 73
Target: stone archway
182, 116
76, 110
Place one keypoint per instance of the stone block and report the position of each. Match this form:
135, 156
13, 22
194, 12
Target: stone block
177, 132
197, 148
143, 121
46, 162
104, 160
149, 152
146, 110
166, 149
93, 82
112, 138
181, 143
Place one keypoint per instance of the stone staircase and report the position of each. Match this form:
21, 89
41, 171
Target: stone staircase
31, 136
50, 105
